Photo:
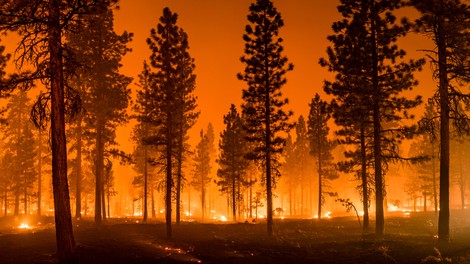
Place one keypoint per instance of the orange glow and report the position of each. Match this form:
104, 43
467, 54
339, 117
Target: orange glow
24, 226
215, 30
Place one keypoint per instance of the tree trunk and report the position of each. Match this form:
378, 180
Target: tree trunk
99, 175
25, 195
78, 190
179, 178
444, 213
251, 195
434, 181
109, 203
379, 206
103, 200
39, 170
365, 191
152, 198
145, 213
234, 208
320, 146
203, 197
178, 192
63, 220
169, 148
17, 200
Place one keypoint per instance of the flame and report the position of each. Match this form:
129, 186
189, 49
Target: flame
24, 226
328, 215
223, 218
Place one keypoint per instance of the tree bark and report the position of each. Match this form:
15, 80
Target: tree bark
169, 147
145, 213
78, 190
444, 213
39, 170
365, 191
63, 220
99, 175
379, 199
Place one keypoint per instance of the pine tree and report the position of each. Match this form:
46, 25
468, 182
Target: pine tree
19, 139
172, 101
142, 133
302, 159
107, 95
290, 176
320, 146
4, 58
232, 162
264, 75
446, 23
45, 23
202, 167
372, 73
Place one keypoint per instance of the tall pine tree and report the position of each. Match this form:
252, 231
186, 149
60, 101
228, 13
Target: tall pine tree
264, 74
232, 162
446, 23
372, 73
107, 95
171, 100
320, 146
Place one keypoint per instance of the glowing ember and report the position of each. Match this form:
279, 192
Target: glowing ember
24, 226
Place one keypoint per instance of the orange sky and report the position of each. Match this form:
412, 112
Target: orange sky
215, 30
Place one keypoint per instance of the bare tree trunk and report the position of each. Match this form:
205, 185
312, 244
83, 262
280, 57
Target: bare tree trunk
179, 179
99, 175
153, 203
234, 208
251, 195
444, 213
103, 200
203, 197
379, 199
63, 220
145, 209
365, 189
434, 180
169, 148
17, 200
78, 190
320, 173
39, 170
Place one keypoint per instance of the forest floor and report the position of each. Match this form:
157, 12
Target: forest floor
409, 239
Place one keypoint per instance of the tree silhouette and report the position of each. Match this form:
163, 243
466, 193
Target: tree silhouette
446, 23
202, 167
232, 161
41, 25
372, 73
106, 95
264, 75
172, 101
320, 146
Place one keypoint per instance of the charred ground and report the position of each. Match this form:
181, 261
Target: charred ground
338, 240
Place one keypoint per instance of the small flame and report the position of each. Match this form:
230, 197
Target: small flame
223, 218
328, 215
24, 226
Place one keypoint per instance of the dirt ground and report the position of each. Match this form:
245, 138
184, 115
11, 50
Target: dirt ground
339, 240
